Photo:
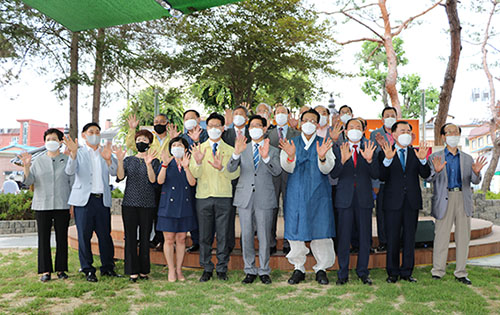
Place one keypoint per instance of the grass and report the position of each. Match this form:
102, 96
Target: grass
21, 292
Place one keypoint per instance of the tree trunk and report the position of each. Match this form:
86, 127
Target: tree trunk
98, 73
384, 97
490, 171
73, 87
451, 70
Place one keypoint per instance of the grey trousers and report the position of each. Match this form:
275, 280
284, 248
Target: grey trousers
214, 213
279, 183
263, 219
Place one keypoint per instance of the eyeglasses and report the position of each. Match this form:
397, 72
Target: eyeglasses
309, 120
214, 126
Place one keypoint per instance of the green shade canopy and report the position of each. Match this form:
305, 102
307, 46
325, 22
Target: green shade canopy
78, 15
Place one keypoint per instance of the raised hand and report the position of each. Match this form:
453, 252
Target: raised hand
380, 138
71, 145
293, 121
438, 164
228, 116
133, 122
264, 149
166, 158
367, 152
323, 149
172, 131
106, 151
345, 152
26, 159
185, 160
149, 157
195, 133
479, 164
246, 105
197, 154
217, 163
421, 153
388, 150
119, 152
240, 145
336, 131
289, 147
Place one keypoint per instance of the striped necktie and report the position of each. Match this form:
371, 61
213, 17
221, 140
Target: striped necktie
256, 156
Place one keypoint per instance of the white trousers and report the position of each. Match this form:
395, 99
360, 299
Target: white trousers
322, 250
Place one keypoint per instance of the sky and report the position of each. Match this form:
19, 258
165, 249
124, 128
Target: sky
427, 47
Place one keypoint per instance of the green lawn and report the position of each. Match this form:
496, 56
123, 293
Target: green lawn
22, 292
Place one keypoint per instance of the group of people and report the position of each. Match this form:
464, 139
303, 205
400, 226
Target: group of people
328, 176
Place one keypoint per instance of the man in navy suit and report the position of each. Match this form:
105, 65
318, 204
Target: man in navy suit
355, 167
400, 168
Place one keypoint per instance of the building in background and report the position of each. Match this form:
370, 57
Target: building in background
481, 144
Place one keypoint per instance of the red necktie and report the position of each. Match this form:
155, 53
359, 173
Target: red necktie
355, 155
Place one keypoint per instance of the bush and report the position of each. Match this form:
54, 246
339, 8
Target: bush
489, 194
16, 207
116, 193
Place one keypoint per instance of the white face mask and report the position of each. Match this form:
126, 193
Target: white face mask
389, 122
345, 118
323, 120
177, 152
239, 120
190, 124
452, 141
281, 119
256, 133
404, 139
264, 114
354, 135
52, 146
214, 133
94, 139
308, 128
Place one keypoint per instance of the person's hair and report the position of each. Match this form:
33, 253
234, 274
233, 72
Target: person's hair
401, 122
87, 126
50, 131
178, 139
267, 106
356, 119
218, 117
145, 133
327, 110
258, 117
281, 105
191, 111
311, 111
241, 107
163, 115
443, 132
345, 106
389, 108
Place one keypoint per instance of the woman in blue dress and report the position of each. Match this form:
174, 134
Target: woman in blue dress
176, 211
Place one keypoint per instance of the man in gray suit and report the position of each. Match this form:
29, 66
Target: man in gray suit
282, 131
254, 196
452, 172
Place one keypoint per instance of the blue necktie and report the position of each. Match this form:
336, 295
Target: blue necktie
214, 148
256, 155
402, 158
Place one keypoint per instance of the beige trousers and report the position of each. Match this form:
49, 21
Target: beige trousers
455, 214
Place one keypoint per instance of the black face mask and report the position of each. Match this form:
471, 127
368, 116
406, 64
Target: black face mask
142, 146
160, 128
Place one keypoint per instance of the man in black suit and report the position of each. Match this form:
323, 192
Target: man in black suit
355, 167
400, 167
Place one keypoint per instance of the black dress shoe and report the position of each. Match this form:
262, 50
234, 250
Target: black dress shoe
193, 248
91, 277
153, 244
110, 273
409, 279
249, 279
286, 250
45, 277
321, 277
222, 276
342, 281
354, 250
133, 279
366, 280
464, 280
205, 276
296, 277
272, 250
392, 279
62, 275
143, 277
381, 248
436, 277
265, 279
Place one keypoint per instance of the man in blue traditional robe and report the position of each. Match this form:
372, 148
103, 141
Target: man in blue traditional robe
308, 213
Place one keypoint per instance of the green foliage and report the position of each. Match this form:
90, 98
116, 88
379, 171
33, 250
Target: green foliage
412, 97
489, 194
16, 207
116, 193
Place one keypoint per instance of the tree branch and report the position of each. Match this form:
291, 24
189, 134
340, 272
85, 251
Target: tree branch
347, 10
362, 23
360, 40
405, 24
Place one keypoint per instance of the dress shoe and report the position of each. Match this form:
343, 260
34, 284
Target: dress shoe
354, 250
153, 244
296, 277
145, 277
286, 250
62, 275
321, 277
409, 279
436, 277
272, 250
133, 279
45, 277
249, 279
110, 273
193, 248
342, 281
265, 279
392, 279
91, 277
366, 280
381, 248
222, 276
205, 276
464, 280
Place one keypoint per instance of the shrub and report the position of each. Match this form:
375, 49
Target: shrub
116, 193
16, 207
489, 194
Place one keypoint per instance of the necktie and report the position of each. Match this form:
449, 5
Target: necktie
214, 148
355, 154
402, 158
256, 156
280, 132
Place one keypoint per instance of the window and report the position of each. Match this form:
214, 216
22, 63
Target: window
467, 142
488, 139
473, 144
480, 142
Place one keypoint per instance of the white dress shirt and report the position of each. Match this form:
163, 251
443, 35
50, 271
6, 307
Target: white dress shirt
97, 182
261, 143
